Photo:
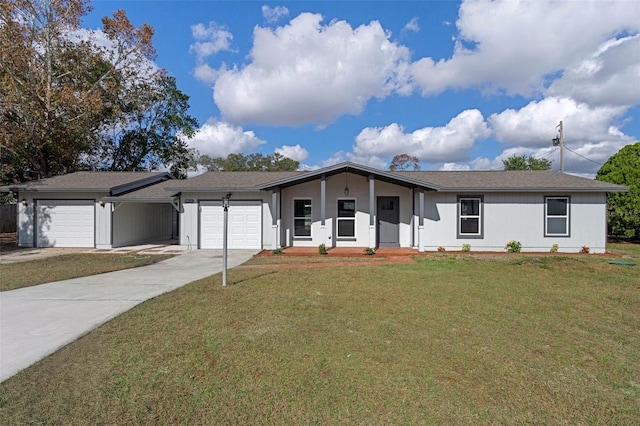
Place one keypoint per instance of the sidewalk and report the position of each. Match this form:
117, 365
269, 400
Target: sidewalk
37, 321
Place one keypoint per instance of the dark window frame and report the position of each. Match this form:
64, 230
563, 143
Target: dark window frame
479, 216
346, 218
566, 216
306, 218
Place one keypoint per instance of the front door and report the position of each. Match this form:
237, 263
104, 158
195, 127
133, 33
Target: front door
388, 221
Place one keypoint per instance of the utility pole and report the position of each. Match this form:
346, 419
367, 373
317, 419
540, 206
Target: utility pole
559, 141
225, 206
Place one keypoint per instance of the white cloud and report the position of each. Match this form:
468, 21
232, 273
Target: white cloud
306, 72
590, 134
273, 14
604, 77
454, 167
412, 26
516, 45
205, 73
295, 152
533, 125
210, 39
219, 139
430, 144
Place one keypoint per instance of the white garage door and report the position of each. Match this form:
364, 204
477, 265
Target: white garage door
245, 225
65, 223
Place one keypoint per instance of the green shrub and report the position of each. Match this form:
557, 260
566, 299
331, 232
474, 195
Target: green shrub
466, 247
322, 249
278, 251
554, 249
369, 251
514, 246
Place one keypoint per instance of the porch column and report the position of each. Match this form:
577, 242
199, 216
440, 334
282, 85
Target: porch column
372, 212
275, 218
422, 240
323, 209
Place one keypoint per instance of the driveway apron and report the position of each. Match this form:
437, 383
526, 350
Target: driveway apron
37, 321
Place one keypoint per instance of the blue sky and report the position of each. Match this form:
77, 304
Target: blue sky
461, 85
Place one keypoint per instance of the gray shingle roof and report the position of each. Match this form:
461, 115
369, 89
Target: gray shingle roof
124, 184
112, 182
149, 194
447, 181
221, 181
504, 181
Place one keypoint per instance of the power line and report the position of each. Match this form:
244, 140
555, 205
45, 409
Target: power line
580, 155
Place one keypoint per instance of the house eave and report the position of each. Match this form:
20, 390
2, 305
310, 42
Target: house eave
533, 189
131, 186
212, 189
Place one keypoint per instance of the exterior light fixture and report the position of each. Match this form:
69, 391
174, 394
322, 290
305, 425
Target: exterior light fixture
24, 202
346, 182
101, 203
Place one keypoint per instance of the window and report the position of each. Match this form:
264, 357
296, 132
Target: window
302, 218
469, 217
556, 216
346, 218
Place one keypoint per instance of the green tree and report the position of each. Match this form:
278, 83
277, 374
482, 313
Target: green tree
252, 162
66, 100
623, 168
403, 162
50, 91
522, 162
157, 124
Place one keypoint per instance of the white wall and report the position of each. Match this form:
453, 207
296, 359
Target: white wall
190, 215
103, 226
140, 223
517, 216
25, 225
358, 190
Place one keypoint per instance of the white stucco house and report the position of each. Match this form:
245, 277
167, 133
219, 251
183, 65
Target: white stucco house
345, 205
74, 210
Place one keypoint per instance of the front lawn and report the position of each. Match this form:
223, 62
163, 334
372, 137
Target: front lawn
33, 272
452, 339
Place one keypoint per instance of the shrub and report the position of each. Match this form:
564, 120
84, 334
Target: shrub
369, 251
554, 249
514, 246
322, 249
466, 247
442, 249
585, 250
278, 251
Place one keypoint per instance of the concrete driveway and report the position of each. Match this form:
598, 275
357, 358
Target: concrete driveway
37, 321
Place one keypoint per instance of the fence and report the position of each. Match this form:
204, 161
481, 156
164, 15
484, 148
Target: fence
8, 217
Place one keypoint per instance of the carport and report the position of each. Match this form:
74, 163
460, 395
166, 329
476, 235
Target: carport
146, 215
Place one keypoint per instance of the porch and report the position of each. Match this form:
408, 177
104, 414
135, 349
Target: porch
346, 251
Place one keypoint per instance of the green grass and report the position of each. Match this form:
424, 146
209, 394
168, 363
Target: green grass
452, 339
25, 274
626, 249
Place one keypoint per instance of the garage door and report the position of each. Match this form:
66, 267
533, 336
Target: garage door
245, 225
65, 223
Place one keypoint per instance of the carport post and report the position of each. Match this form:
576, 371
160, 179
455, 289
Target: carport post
225, 206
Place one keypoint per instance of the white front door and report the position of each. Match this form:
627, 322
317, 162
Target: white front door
65, 223
245, 225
